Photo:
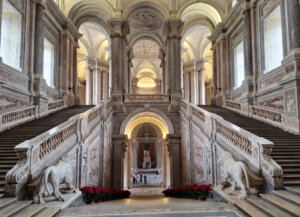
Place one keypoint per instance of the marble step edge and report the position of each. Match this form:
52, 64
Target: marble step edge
49, 212
29, 211
265, 206
243, 205
283, 204
292, 190
287, 198
8, 201
14, 208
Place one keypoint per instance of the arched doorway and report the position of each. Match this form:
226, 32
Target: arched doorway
147, 152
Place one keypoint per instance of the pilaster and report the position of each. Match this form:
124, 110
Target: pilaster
118, 154
248, 83
172, 30
119, 30
39, 83
174, 143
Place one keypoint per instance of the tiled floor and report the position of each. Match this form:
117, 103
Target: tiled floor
140, 204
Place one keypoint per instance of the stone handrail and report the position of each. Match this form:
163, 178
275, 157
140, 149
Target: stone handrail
48, 148
266, 114
243, 144
232, 105
22, 115
273, 117
146, 98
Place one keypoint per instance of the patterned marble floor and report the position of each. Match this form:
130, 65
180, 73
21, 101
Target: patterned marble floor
150, 203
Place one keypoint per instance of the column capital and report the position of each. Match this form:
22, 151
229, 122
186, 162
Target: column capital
118, 27
41, 2
173, 28
246, 6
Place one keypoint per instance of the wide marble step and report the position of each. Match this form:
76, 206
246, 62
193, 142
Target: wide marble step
293, 189
283, 204
13, 208
244, 205
267, 207
29, 211
6, 201
292, 183
49, 212
286, 195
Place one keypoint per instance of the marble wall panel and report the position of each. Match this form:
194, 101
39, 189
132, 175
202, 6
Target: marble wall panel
198, 159
184, 154
94, 161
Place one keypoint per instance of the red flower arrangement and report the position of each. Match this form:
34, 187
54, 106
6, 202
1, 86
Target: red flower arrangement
190, 191
93, 193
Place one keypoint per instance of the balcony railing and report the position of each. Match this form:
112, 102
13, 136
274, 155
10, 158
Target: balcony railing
22, 115
136, 98
46, 149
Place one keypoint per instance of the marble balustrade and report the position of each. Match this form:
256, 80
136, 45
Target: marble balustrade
48, 148
16, 117
253, 150
273, 117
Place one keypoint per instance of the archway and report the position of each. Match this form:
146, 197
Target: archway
147, 153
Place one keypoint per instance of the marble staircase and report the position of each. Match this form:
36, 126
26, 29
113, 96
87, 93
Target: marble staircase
283, 203
286, 150
14, 136
10, 207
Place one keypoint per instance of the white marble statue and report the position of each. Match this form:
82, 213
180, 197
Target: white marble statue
235, 173
146, 159
56, 175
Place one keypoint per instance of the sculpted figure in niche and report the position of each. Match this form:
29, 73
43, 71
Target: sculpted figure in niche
147, 157
235, 174
56, 175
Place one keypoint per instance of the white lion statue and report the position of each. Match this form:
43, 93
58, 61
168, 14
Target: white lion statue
56, 175
235, 173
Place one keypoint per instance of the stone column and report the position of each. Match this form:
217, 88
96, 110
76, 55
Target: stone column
293, 16
163, 67
159, 153
195, 86
119, 30
105, 85
215, 74
201, 72
247, 43
98, 82
172, 31
247, 97
118, 154
89, 85
39, 34
128, 75
75, 73
174, 142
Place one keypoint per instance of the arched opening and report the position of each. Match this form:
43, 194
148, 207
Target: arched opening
147, 160
93, 64
146, 74
146, 45
197, 60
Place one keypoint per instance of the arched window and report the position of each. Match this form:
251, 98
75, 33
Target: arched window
273, 52
11, 35
48, 62
239, 72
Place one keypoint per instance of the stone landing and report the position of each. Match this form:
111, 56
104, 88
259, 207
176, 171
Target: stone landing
153, 207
